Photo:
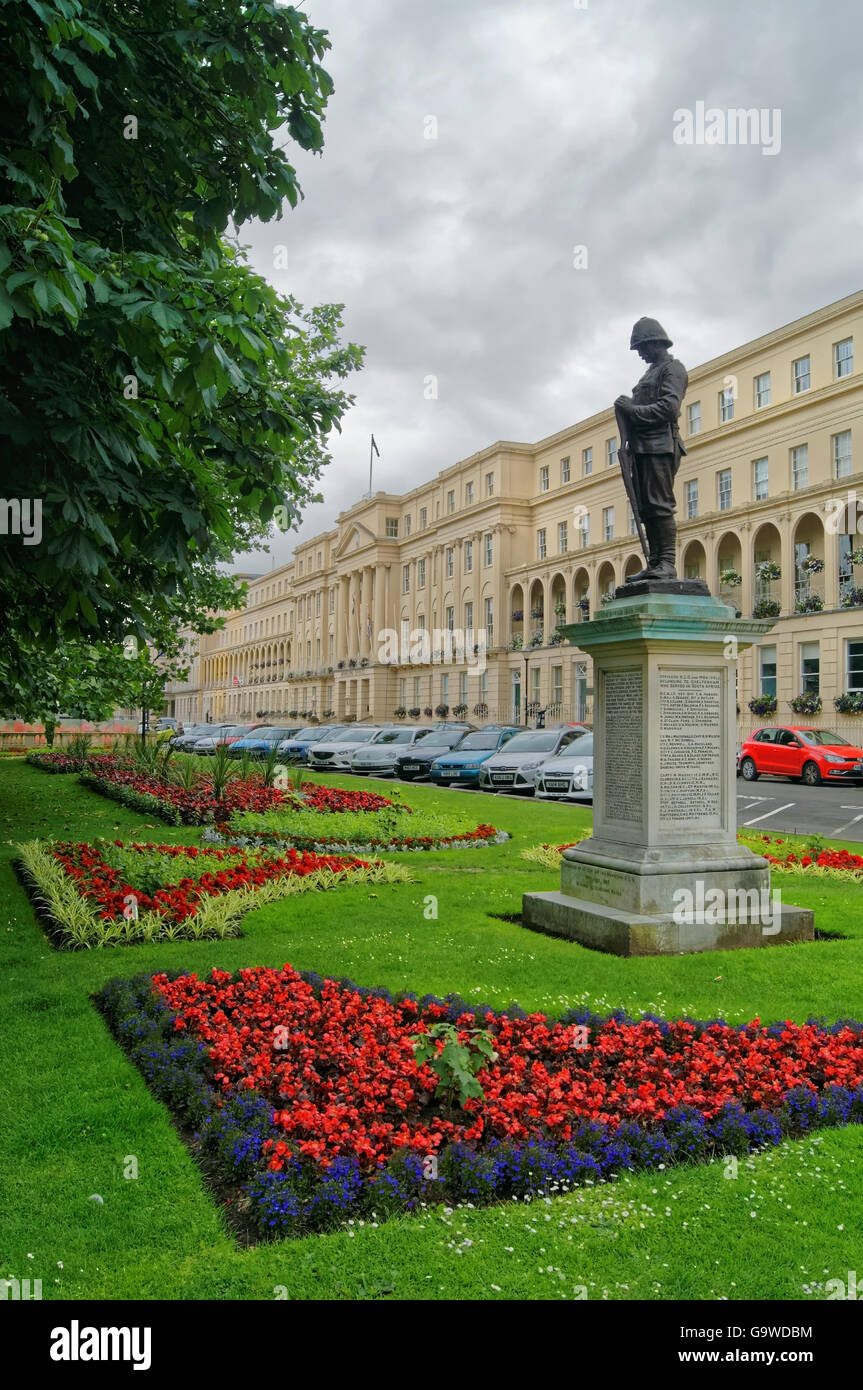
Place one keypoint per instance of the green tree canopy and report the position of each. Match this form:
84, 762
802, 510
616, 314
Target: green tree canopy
156, 396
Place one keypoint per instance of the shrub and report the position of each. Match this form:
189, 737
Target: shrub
763, 704
807, 703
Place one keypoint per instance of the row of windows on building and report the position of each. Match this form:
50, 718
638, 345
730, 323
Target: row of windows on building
449, 563
808, 668
392, 523
452, 689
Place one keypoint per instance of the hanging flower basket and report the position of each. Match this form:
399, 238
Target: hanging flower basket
850, 703
766, 608
807, 703
812, 565
767, 571
763, 704
517, 643
730, 579
853, 599
481, 710
812, 603
518, 615
400, 712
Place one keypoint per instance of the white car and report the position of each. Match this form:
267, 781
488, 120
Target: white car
379, 756
567, 775
513, 767
336, 753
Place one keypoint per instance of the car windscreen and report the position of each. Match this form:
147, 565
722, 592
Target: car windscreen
823, 737
579, 748
356, 736
533, 741
395, 736
483, 739
312, 735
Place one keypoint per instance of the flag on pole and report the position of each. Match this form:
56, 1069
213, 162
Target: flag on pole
375, 447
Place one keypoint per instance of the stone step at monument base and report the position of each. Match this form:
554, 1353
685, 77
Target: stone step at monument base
634, 588
623, 933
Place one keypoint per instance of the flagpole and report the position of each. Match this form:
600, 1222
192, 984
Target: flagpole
371, 458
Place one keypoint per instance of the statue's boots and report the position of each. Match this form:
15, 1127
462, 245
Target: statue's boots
666, 533
650, 527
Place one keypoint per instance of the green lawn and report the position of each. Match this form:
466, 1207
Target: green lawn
74, 1108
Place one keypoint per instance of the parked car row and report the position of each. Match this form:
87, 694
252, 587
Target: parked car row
552, 763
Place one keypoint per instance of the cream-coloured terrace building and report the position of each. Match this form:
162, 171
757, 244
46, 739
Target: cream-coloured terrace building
518, 538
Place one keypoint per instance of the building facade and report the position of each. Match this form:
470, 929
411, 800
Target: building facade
501, 548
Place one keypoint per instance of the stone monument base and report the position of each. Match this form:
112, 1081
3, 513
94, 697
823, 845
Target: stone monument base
635, 588
622, 932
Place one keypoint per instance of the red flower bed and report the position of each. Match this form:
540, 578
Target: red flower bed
173, 803
98, 882
339, 1070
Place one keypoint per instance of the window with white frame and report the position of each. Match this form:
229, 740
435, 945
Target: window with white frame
690, 492
762, 390
723, 489
726, 405
767, 670
608, 523
489, 619
407, 525
424, 518
444, 689
403, 691
584, 530
810, 668
450, 500
406, 579
564, 471
489, 485
540, 543
561, 538
800, 375
417, 691
468, 617
450, 562
317, 605
557, 685
421, 574
489, 549
759, 479
854, 666
842, 465
300, 610
586, 461
693, 417
610, 452
332, 600
630, 520
450, 619
462, 692
392, 526
468, 494
468, 556
543, 478
800, 467
843, 358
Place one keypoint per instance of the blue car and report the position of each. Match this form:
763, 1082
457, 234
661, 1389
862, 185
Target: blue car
464, 764
260, 741
296, 749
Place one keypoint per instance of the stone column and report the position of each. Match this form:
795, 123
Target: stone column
380, 621
353, 614
665, 809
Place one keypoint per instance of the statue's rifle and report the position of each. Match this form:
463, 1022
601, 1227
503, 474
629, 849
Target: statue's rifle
630, 480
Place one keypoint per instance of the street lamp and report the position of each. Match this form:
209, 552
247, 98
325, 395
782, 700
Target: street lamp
526, 659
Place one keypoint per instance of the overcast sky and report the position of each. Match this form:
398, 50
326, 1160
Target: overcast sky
454, 256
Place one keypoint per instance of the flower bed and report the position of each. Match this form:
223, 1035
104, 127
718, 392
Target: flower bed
360, 833
58, 761
157, 796
816, 859
111, 894
308, 1092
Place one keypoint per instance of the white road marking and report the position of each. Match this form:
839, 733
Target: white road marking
768, 814
848, 823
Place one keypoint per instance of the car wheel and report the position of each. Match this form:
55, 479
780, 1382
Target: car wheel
748, 770
811, 775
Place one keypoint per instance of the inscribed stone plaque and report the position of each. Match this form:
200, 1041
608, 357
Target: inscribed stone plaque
623, 751
690, 748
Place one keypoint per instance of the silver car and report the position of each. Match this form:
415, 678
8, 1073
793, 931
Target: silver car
221, 733
512, 769
380, 755
335, 753
567, 775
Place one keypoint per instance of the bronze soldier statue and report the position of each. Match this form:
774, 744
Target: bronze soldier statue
649, 433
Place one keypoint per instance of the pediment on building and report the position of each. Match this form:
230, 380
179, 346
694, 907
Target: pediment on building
356, 537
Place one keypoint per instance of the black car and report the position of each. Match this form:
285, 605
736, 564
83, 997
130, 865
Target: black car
415, 763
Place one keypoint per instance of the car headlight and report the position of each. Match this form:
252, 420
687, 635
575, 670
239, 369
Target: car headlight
832, 758
529, 767
470, 764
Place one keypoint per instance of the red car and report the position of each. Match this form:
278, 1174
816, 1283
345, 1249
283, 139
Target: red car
811, 756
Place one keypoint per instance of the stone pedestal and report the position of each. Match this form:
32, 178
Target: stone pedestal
663, 872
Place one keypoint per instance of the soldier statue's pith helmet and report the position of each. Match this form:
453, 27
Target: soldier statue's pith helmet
648, 331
